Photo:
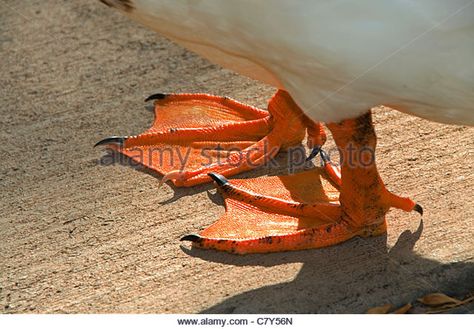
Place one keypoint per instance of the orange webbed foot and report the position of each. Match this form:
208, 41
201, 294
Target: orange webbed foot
195, 134
317, 208
276, 213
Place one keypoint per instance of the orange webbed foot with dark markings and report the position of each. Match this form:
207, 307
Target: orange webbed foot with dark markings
312, 209
195, 134
196, 138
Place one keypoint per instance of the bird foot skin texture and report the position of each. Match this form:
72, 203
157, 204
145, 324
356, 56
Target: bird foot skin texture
196, 138
312, 209
195, 134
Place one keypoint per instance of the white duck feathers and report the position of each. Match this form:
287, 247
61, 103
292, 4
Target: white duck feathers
337, 58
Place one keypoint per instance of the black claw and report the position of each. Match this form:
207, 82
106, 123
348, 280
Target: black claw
191, 237
155, 96
118, 140
418, 209
314, 153
325, 156
218, 178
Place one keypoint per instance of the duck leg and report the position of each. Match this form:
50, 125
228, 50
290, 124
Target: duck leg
195, 134
310, 209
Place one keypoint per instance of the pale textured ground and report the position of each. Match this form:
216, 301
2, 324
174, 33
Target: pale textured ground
77, 236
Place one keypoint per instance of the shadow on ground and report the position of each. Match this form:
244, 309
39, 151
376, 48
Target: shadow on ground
330, 279
112, 157
283, 163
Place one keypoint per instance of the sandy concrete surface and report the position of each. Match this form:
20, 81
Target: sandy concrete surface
80, 236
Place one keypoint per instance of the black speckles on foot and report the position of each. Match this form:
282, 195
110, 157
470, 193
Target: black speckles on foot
268, 240
125, 5
364, 130
230, 191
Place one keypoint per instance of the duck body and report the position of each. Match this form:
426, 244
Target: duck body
336, 58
